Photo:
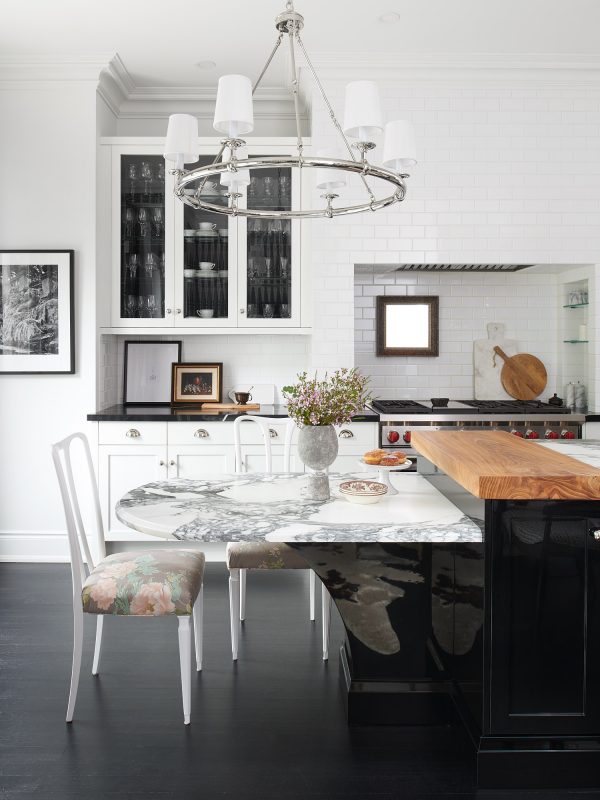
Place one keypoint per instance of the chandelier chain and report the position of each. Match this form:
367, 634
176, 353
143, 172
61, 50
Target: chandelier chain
293, 29
334, 119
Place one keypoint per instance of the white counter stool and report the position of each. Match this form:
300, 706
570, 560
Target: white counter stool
242, 556
143, 583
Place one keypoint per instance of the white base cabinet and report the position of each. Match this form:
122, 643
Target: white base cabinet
133, 453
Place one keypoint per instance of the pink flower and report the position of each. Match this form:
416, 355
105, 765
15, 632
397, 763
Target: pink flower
104, 592
153, 599
118, 570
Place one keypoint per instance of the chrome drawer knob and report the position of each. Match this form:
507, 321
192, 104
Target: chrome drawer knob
172, 463
346, 434
133, 433
201, 433
273, 434
162, 463
596, 535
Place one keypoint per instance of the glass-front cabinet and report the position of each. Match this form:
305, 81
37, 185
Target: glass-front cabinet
175, 266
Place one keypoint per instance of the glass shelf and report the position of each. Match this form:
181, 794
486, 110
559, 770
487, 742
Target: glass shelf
575, 341
577, 305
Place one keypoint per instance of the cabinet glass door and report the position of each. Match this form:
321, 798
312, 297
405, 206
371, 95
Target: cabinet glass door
269, 249
206, 258
142, 237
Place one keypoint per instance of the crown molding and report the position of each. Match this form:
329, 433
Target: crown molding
44, 68
472, 68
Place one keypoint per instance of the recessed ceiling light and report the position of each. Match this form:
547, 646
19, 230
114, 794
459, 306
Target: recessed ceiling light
206, 64
390, 17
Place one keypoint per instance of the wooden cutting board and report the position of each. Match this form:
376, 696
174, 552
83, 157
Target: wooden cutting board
487, 366
523, 376
231, 407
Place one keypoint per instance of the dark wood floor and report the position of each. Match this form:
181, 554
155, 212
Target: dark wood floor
271, 726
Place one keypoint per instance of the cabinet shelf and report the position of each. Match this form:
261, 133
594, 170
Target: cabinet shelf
575, 341
577, 305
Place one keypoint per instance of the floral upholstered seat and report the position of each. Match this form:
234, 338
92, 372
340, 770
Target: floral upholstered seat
263, 555
145, 583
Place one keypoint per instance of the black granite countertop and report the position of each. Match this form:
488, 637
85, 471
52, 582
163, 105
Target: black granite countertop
592, 416
121, 413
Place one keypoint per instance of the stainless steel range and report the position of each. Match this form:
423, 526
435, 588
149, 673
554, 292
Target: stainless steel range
529, 419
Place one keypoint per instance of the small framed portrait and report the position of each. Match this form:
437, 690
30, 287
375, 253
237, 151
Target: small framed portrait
148, 366
194, 384
37, 331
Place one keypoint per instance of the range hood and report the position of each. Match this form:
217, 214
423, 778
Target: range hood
379, 269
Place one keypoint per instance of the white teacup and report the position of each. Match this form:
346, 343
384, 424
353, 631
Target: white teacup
205, 313
207, 226
206, 266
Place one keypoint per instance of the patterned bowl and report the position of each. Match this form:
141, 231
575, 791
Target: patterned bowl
363, 492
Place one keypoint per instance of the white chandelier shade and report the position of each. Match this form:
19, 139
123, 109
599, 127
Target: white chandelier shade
181, 144
329, 179
234, 112
362, 111
399, 150
238, 180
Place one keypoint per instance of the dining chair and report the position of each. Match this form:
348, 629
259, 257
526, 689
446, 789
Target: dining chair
144, 583
242, 556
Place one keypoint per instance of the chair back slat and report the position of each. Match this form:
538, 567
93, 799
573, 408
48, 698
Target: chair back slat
265, 424
79, 547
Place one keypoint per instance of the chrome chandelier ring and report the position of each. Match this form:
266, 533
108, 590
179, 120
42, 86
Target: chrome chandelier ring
188, 186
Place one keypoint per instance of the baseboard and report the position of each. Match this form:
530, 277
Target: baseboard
51, 547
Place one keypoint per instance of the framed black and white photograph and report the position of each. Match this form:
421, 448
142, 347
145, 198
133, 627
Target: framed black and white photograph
147, 374
194, 384
37, 331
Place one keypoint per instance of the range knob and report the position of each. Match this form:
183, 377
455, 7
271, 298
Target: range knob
393, 437
567, 434
517, 433
406, 437
532, 434
551, 434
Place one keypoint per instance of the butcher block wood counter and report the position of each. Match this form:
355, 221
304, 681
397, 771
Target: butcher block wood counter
495, 465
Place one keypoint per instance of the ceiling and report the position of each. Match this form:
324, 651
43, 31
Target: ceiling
161, 41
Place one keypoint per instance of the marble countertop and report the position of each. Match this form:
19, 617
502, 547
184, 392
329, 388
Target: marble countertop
258, 507
121, 413
585, 450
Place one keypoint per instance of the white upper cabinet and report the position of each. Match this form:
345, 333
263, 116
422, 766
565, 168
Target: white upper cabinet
176, 267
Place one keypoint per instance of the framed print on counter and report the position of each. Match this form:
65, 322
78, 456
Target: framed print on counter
37, 330
147, 372
194, 384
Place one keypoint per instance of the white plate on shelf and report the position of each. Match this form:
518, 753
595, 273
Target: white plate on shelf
384, 472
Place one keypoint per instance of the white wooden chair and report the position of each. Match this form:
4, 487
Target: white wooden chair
242, 556
144, 583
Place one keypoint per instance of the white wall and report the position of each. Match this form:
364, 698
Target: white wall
47, 200
526, 303
509, 166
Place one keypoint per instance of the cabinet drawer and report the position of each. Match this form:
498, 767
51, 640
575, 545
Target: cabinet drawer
204, 433
132, 433
357, 437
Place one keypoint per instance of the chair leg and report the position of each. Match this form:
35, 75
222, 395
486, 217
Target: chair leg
312, 593
242, 595
185, 655
76, 665
198, 614
234, 610
326, 619
98, 645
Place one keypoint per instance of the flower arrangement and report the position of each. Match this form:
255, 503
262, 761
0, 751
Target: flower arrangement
331, 401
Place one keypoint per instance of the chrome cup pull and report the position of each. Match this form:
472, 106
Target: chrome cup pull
201, 433
345, 434
133, 433
273, 434
172, 463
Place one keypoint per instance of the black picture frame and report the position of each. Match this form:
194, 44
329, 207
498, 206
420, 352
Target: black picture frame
54, 316
433, 345
166, 378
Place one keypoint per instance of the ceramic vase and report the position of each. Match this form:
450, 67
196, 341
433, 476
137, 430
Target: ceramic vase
318, 449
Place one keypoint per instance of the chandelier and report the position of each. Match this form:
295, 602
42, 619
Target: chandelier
234, 118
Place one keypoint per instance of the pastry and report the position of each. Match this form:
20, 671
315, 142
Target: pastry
390, 461
373, 457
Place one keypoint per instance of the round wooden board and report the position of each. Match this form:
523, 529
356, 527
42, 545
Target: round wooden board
523, 376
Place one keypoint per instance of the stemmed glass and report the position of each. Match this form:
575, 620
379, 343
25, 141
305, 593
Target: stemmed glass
131, 305
160, 172
268, 311
132, 265
268, 270
147, 176
150, 264
157, 219
133, 173
251, 269
151, 303
143, 220
268, 190
284, 267
284, 188
128, 223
